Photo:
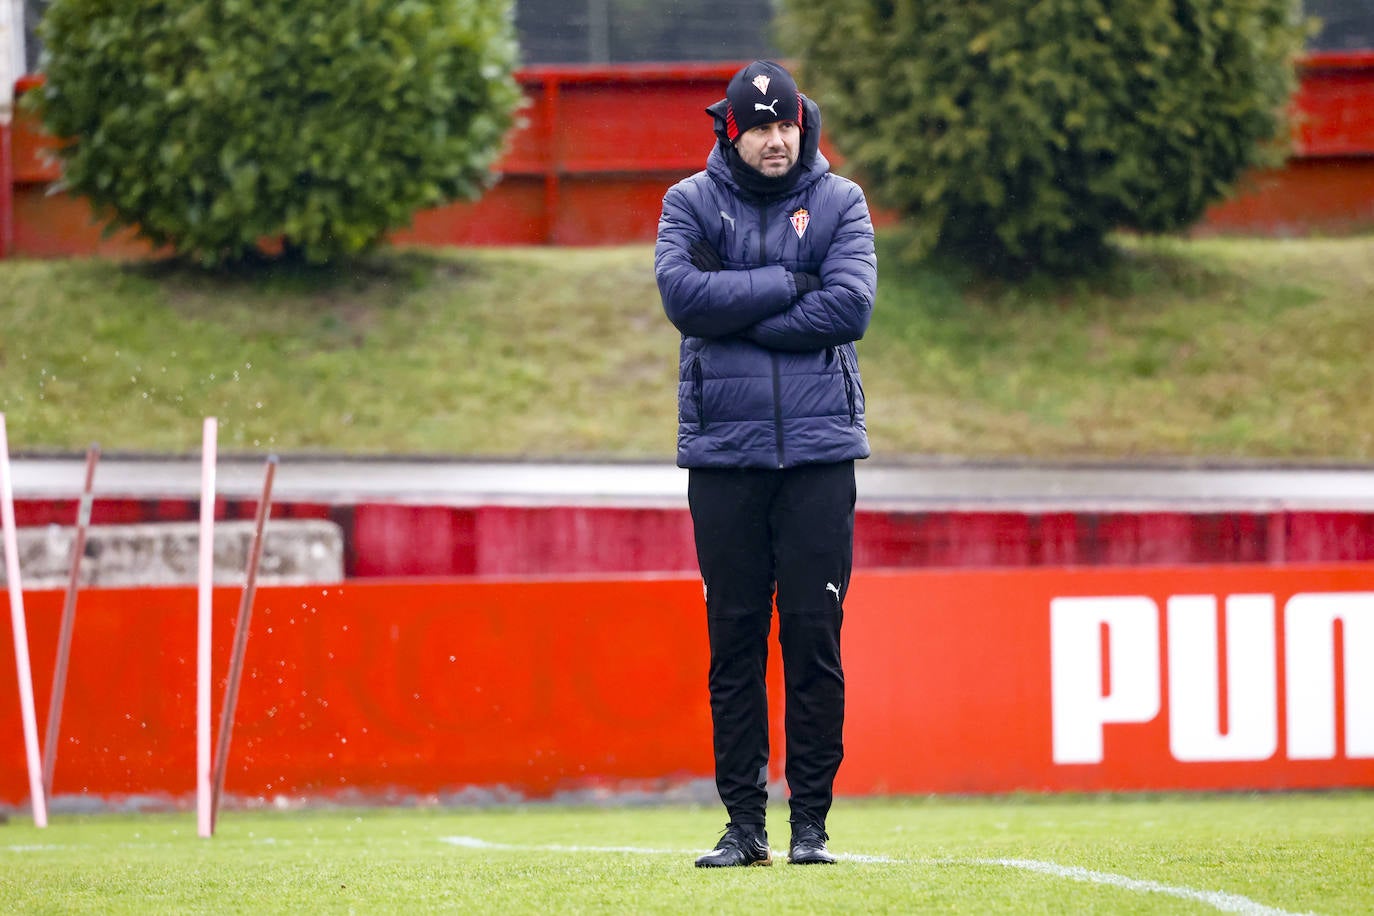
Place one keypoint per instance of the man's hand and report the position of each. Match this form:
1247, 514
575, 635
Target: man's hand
805, 283
704, 256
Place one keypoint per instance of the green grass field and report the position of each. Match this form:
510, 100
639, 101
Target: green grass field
1203, 349
1249, 854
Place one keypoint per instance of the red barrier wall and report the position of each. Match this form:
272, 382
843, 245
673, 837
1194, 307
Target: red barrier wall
1334, 104
387, 540
601, 144
1237, 677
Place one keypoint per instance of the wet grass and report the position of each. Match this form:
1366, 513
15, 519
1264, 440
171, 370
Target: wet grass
1272, 854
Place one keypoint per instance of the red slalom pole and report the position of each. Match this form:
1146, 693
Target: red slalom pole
64, 638
231, 691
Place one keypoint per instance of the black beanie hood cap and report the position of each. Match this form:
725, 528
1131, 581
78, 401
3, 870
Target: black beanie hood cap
760, 93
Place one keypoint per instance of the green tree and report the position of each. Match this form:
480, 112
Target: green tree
1018, 135
311, 127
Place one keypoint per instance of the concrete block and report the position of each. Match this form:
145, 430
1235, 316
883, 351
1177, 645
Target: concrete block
294, 552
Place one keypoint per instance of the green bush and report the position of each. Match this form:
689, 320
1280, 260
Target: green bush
309, 127
1018, 135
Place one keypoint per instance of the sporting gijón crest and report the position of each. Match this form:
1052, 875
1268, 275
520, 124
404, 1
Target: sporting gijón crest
800, 220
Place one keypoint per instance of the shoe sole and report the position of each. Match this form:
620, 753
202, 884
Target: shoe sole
758, 863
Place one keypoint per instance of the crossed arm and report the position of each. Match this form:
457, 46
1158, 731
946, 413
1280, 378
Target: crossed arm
769, 305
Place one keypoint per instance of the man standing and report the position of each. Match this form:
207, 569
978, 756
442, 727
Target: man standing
765, 263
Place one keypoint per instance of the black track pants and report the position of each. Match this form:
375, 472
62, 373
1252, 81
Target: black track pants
793, 530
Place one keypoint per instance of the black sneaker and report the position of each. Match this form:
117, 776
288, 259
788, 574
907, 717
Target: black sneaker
742, 844
808, 845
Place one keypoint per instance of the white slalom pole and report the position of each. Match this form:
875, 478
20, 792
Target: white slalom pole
204, 817
21, 634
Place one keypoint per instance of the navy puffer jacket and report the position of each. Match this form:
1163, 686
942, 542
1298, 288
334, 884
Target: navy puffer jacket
768, 379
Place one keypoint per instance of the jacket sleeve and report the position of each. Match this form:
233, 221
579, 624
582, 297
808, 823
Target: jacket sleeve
710, 304
840, 310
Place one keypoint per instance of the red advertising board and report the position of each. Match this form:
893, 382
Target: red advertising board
1212, 677
1219, 677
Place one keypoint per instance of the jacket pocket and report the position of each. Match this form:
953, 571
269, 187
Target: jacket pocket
699, 392
851, 387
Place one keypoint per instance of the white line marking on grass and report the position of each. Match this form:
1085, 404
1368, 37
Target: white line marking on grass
472, 842
1226, 903
876, 860
1219, 900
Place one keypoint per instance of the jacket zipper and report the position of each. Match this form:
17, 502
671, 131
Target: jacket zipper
772, 357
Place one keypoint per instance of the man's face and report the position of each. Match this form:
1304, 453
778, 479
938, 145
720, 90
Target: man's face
770, 148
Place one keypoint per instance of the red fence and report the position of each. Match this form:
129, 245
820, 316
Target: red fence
600, 146
1237, 677
1328, 184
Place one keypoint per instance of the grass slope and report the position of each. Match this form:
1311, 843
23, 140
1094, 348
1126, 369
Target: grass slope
1267, 854
1205, 348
